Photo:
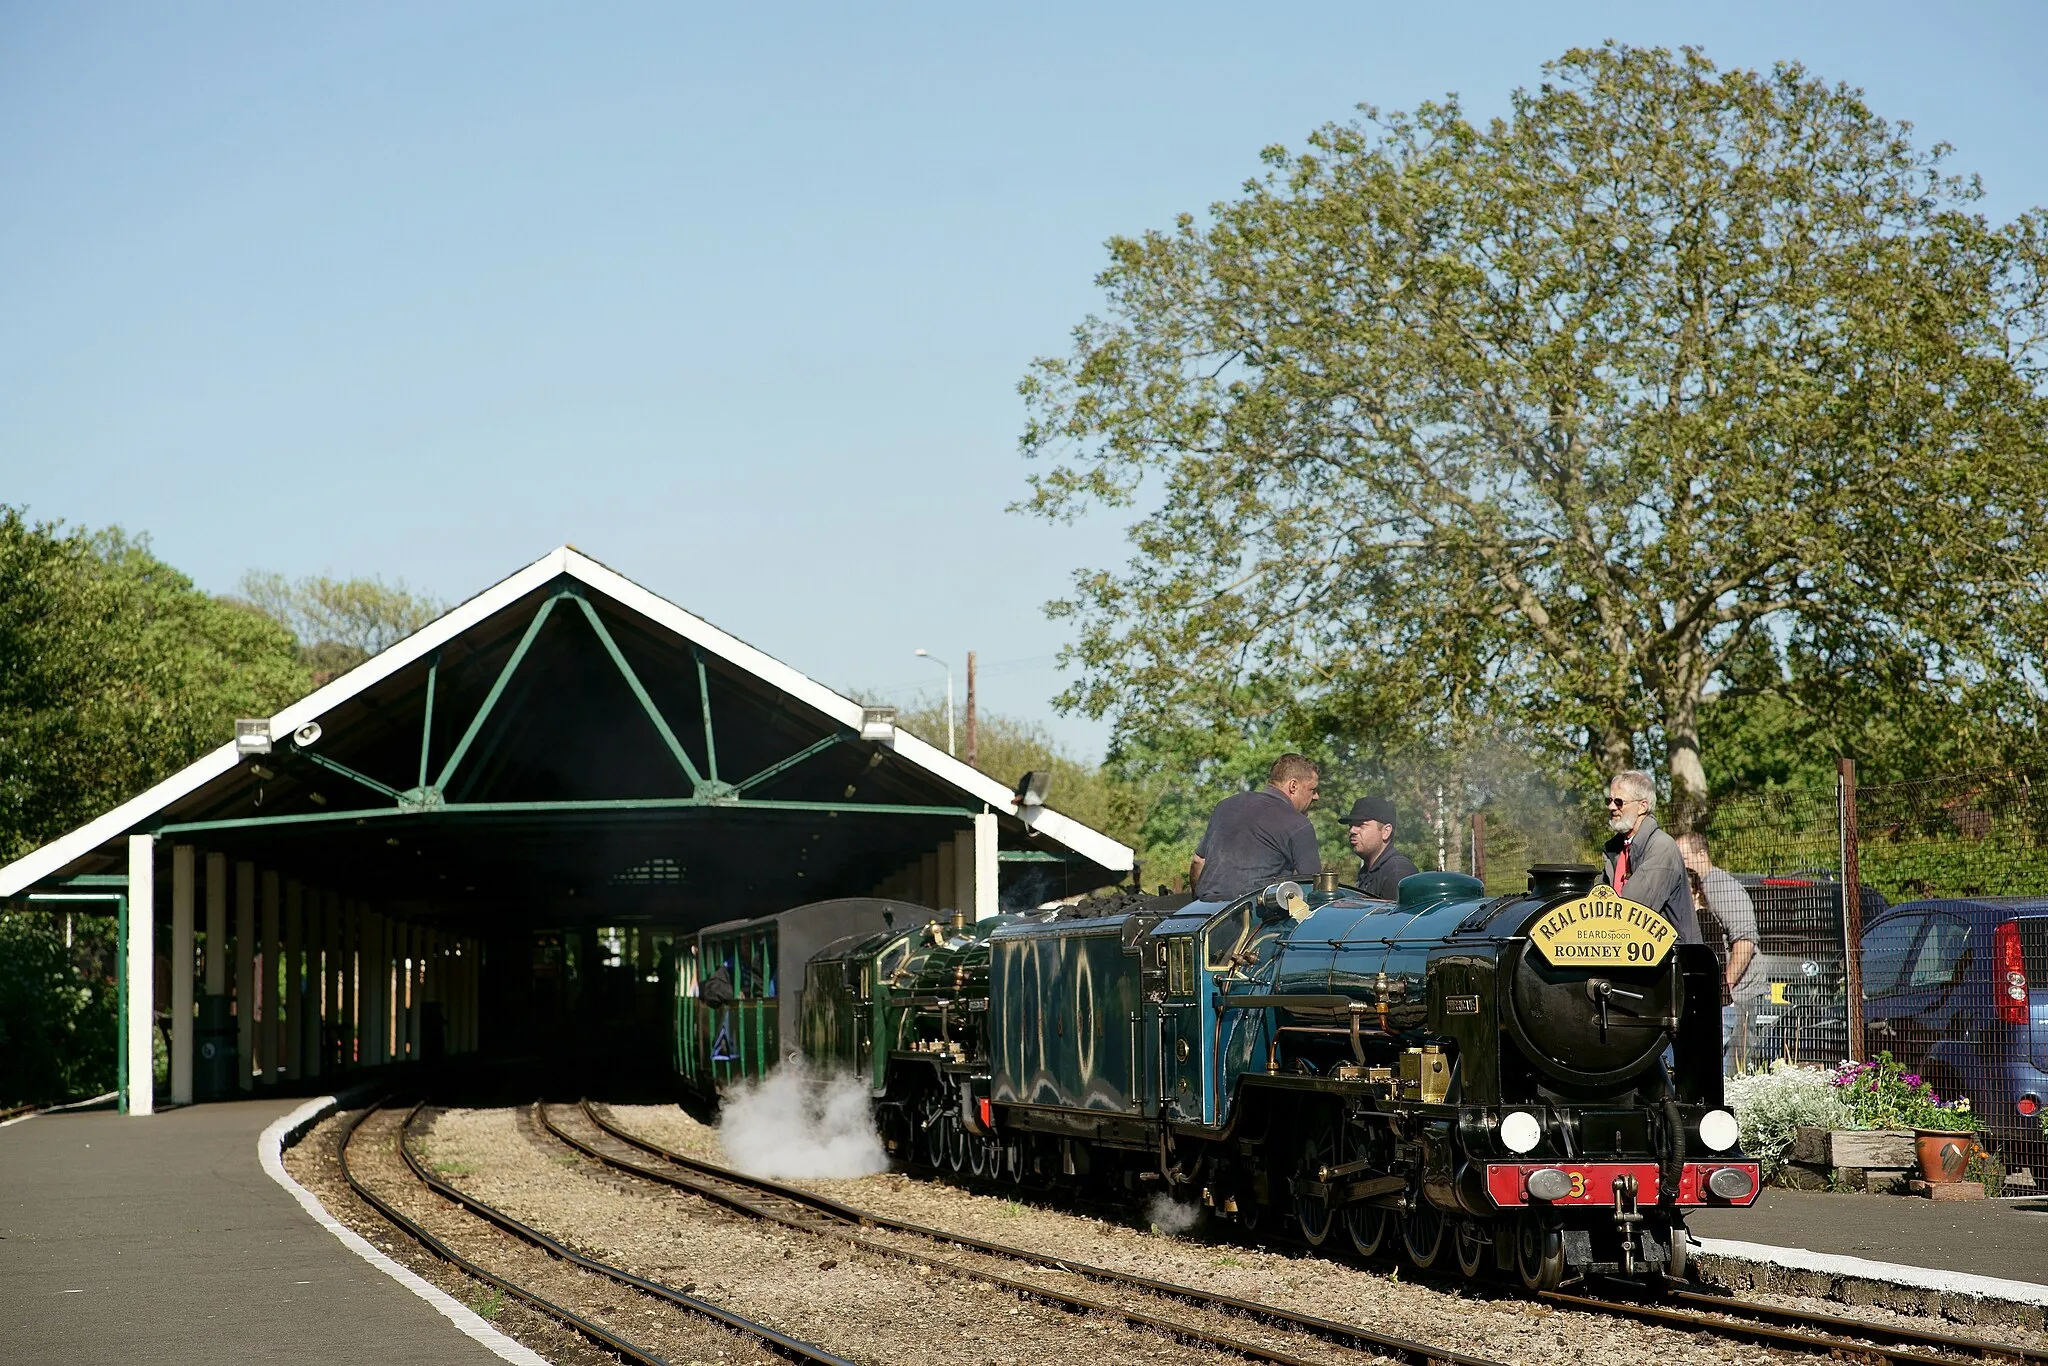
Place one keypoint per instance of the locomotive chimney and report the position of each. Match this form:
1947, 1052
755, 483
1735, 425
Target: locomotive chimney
1547, 880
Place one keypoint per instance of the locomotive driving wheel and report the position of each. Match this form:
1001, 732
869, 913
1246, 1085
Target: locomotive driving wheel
957, 1142
1319, 1150
1367, 1224
1539, 1254
931, 1125
1422, 1233
1469, 1242
978, 1156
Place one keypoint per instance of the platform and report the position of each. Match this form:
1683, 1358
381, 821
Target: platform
163, 1239
1994, 1249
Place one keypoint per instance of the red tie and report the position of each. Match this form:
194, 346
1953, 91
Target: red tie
1621, 869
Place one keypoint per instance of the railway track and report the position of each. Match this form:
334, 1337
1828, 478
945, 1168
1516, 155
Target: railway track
1832, 1335
795, 1208
794, 1349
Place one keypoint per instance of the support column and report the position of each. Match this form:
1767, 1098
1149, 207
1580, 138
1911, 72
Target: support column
963, 872
139, 977
370, 954
317, 902
928, 881
946, 900
184, 892
216, 924
415, 947
351, 1022
245, 974
292, 997
272, 1032
988, 898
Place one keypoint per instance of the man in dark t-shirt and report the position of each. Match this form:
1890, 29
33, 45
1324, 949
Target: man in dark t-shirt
1258, 838
1380, 866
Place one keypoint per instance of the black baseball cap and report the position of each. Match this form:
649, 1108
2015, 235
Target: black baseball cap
1371, 809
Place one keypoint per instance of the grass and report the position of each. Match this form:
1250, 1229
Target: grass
1228, 1261
489, 1306
1011, 1210
454, 1169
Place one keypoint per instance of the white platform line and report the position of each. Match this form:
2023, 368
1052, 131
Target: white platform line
1891, 1273
270, 1150
54, 1109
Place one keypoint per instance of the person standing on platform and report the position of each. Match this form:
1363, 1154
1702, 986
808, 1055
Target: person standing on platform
1380, 866
1643, 863
1258, 838
1744, 986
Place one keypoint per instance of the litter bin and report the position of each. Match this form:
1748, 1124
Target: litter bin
213, 1060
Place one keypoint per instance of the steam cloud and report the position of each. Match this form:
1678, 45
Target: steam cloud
1170, 1216
795, 1123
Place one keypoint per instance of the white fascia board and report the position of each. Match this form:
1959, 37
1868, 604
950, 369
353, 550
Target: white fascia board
1091, 844
32, 867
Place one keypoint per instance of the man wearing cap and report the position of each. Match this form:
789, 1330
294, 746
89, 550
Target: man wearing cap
1258, 838
1380, 866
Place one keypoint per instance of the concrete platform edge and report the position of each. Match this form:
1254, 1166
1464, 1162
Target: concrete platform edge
1959, 1295
288, 1130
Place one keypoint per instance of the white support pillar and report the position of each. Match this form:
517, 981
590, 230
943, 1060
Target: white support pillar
245, 974
291, 1046
945, 899
987, 865
140, 969
272, 1032
184, 892
216, 924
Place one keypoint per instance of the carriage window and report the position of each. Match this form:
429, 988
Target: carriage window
1180, 967
1226, 937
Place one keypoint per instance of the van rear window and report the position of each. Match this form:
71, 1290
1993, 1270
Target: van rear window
2034, 949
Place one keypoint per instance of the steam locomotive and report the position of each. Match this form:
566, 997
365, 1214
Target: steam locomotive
1528, 1084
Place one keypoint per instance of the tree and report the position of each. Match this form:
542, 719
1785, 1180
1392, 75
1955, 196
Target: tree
339, 623
114, 673
1538, 427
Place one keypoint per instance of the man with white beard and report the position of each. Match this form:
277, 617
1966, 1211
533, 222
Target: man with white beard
1643, 863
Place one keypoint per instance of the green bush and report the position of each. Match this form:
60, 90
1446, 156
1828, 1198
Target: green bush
59, 1011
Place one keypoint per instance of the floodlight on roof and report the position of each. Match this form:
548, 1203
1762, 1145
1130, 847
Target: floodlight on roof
878, 724
1031, 788
252, 736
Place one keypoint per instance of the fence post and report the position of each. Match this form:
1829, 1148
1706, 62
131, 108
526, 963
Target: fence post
1479, 845
1852, 908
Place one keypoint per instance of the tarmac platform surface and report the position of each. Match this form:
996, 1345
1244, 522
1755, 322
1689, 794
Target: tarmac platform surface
162, 1239
2007, 1239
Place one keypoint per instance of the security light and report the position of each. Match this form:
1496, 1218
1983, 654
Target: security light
1031, 788
878, 723
252, 736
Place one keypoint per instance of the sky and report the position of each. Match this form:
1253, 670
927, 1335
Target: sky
732, 298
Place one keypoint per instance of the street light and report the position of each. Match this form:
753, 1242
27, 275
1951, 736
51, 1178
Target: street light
927, 654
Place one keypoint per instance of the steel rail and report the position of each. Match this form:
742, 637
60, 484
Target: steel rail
794, 1348
1878, 1343
604, 1337
1857, 1335
1345, 1334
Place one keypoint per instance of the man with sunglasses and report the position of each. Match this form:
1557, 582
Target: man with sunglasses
1643, 863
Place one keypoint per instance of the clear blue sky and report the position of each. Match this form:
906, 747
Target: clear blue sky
735, 300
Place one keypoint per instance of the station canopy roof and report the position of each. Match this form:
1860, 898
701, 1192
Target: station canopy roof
569, 738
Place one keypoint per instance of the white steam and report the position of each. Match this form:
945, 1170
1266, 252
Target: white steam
795, 1123
1169, 1216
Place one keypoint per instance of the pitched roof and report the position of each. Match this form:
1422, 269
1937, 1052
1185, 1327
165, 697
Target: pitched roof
970, 783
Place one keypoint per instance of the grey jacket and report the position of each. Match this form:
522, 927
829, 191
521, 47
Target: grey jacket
1656, 877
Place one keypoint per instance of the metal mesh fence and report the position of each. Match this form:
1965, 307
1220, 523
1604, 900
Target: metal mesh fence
1952, 946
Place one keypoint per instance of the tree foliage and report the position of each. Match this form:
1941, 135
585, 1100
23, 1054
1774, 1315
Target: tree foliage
114, 673
58, 1009
1673, 382
339, 623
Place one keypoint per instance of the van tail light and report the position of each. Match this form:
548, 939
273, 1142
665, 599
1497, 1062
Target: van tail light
2010, 973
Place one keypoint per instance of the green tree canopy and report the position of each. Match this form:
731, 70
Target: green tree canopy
339, 623
1673, 380
114, 673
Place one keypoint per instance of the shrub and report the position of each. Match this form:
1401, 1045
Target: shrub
1770, 1107
1882, 1094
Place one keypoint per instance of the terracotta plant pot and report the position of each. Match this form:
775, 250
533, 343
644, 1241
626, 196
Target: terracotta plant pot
1943, 1155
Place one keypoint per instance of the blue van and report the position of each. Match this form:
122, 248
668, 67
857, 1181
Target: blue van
1957, 990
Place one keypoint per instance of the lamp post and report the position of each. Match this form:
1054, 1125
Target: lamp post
927, 654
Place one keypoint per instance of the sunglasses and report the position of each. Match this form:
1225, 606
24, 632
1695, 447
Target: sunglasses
1621, 801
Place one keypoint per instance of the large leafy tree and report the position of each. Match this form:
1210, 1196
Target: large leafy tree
1540, 427
114, 673
339, 623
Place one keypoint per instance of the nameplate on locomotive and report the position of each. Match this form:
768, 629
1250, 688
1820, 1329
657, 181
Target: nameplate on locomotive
1603, 929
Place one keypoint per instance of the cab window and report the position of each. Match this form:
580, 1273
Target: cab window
1180, 967
1228, 935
